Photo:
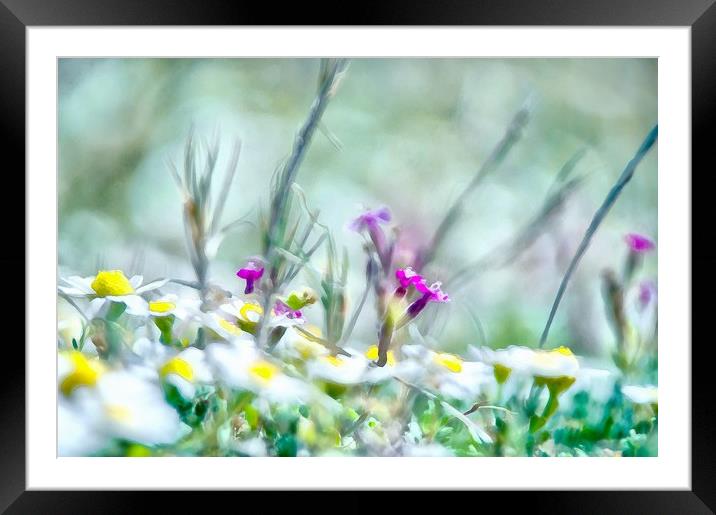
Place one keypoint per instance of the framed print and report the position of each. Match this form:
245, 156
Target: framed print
444, 249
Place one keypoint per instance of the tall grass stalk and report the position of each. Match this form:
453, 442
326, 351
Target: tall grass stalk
599, 216
506, 252
498, 154
281, 244
202, 216
330, 74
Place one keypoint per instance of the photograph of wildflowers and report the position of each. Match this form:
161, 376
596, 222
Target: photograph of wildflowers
364, 257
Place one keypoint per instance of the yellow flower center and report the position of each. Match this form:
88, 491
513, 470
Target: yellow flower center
118, 413
564, 351
229, 327
161, 306
450, 361
247, 312
83, 373
333, 360
179, 367
111, 282
263, 370
372, 354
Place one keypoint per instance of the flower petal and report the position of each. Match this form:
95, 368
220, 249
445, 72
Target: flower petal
136, 305
94, 307
152, 285
81, 283
136, 281
72, 291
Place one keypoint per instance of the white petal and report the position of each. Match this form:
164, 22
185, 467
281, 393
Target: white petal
136, 281
76, 435
72, 291
94, 306
231, 309
641, 394
136, 305
81, 283
153, 285
186, 388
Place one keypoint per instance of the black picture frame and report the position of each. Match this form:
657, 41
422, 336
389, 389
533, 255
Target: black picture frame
700, 15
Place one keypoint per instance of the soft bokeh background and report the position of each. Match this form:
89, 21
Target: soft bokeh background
412, 133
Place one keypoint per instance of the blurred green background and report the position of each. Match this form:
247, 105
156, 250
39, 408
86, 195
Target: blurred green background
411, 133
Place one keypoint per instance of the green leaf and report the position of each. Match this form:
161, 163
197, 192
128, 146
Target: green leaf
286, 446
115, 310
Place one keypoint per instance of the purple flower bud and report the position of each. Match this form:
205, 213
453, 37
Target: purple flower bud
647, 292
370, 218
431, 293
251, 273
417, 306
638, 243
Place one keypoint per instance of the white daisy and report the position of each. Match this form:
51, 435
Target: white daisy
169, 304
450, 374
234, 319
339, 369
110, 404
240, 365
554, 363
186, 370
110, 285
134, 409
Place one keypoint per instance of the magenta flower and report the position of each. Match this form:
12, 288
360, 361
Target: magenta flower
281, 308
638, 243
251, 273
406, 277
431, 293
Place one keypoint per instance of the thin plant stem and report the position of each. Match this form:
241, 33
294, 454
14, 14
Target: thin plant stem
509, 250
280, 205
511, 136
356, 313
599, 216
